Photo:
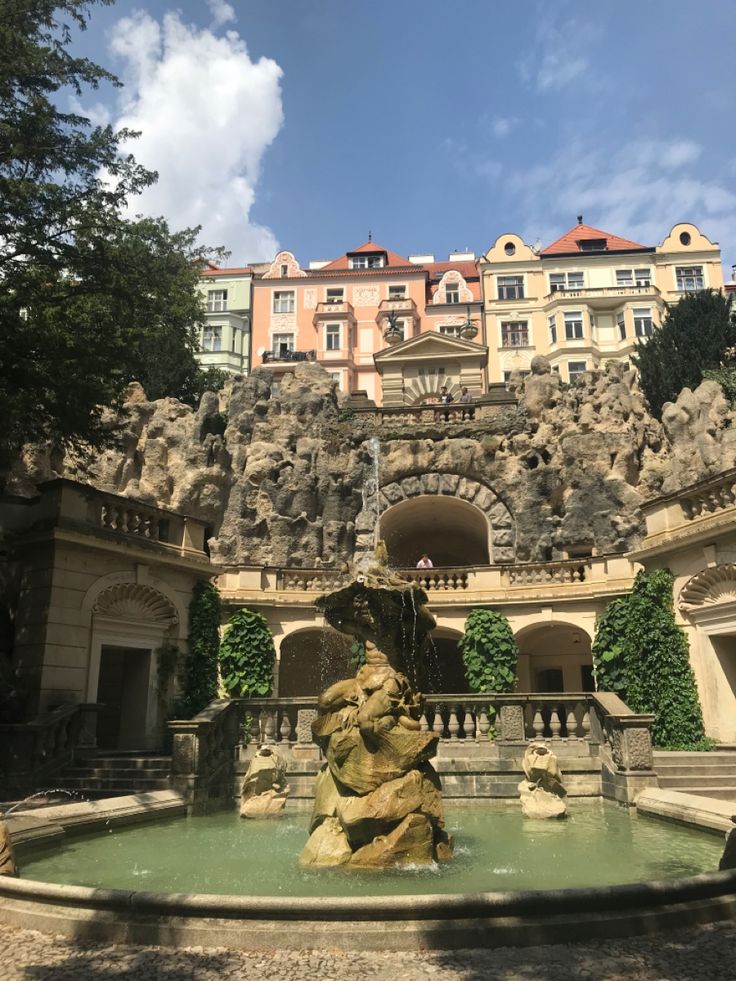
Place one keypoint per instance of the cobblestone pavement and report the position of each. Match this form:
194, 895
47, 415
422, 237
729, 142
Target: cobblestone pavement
704, 954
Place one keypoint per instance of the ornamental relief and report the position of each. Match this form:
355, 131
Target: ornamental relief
283, 321
710, 587
287, 259
454, 278
310, 299
365, 296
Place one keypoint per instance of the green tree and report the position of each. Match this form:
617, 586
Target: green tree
693, 337
247, 656
199, 683
489, 652
87, 299
642, 655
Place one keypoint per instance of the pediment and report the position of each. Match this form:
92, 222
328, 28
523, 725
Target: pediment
431, 345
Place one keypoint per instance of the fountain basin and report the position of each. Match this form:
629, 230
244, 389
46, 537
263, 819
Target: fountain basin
345, 911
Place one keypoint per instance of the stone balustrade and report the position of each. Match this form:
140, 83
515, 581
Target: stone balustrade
542, 573
710, 498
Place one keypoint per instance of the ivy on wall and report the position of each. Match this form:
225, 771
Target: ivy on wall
199, 685
247, 656
489, 652
640, 653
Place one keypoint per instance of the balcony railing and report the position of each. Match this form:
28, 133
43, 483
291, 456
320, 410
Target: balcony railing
544, 573
713, 496
602, 292
402, 306
335, 309
289, 357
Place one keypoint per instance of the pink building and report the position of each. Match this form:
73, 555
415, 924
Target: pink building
364, 316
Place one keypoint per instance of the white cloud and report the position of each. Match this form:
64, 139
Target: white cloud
557, 56
639, 191
222, 13
207, 113
502, 125
98, 113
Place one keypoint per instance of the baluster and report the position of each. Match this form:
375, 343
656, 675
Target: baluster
585, 725
255, 729
538, 723
453, 724
285, 727
554, 723
438, 724
483, 724
572, 724
423, 723
470, 722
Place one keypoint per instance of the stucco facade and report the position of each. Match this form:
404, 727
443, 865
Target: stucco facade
225, 337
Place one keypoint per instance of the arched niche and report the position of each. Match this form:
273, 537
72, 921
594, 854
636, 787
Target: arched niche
312, 659
444, 668
451, 531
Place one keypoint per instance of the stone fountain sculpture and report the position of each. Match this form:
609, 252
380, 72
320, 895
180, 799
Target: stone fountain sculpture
378, 800
264, 790
8, 864
541, 790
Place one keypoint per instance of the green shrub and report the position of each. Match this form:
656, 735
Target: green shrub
247, 656
609, 647
489, 652
200, 670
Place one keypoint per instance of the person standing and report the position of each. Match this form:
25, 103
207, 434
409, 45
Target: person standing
425, 562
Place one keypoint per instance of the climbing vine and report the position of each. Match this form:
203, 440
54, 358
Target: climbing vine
489, 652
247, 656
641, 651
200, 670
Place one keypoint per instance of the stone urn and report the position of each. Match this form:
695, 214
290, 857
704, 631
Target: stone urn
541, 791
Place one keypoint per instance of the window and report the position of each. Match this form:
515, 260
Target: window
283, 301
283, 344
452, 293
332, 337
575, 368
593, 245
643, 322
216, 300
511, 287
689, 277
235, 339
366, 262
212, 338
450, 329
396, 292
621, 323
552, 324
507, 374
574, 326
565, 281
284, 271
335, 294
336, 376
514, 333
633, 277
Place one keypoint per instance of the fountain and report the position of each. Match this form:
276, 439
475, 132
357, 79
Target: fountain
378, 800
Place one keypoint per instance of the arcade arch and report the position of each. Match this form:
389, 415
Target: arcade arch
554, 657
444, 663
312, 659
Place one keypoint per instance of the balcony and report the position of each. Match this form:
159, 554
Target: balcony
603, 297
402, 307
333, 310
288, 357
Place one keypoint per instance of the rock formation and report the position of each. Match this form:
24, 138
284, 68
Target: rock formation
280, 478
264, 790
8, 864
541, 790
378, 801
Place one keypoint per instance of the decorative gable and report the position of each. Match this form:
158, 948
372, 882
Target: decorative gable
453, 278
284, 266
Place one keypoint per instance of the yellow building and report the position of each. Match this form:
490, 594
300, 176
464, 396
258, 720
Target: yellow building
587, 297
225, 337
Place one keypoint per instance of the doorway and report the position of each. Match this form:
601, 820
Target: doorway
122, 694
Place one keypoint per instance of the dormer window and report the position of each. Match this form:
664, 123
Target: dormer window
376, 261
397, 292
452, 293
593, 244
284, 271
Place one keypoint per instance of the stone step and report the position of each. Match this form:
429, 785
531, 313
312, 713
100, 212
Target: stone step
697, 780
668, 770
720, 793
86, 784
686, 756
117, 773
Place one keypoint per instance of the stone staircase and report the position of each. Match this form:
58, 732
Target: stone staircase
114, 773
703, 774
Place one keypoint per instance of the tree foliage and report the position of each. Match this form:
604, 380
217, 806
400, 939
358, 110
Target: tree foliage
199, 685
89, 301
640, 653
692, 339
247, 656
489, 652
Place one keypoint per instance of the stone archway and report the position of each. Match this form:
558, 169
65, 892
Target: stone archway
554, 656
311, 660
502, 537
451, 531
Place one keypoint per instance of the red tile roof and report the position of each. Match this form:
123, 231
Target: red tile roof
392, 258
569, 243
217, 271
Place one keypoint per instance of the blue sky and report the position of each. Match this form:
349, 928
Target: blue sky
303, 125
